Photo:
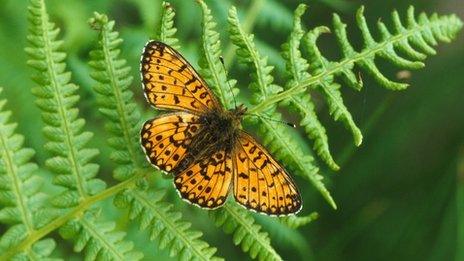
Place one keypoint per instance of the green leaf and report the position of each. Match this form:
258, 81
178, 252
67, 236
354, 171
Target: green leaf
297, 68
237, 221
20, 199
165, 225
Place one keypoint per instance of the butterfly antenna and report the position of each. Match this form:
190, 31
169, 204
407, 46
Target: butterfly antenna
274, 120
228, 83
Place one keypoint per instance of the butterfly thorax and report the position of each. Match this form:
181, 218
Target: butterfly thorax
223, 126
220, 131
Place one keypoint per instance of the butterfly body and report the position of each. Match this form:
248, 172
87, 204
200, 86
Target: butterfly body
203, 145
220, 132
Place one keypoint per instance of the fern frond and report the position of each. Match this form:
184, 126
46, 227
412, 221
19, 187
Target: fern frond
276, 137
247, 53
99, 239
20, 200
166, 32
212, 69
303, 105
298, 221
115, 99
57, 98
67, 141
417, 34
165, 225
237, 221
330, 89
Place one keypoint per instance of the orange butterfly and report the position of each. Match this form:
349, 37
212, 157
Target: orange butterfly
201, 143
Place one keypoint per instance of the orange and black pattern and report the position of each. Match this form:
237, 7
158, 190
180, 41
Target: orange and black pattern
166, 139
202, 144
170, 82
260, 183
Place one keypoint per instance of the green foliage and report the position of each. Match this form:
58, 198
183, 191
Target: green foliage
303, 105
298, 221
237, 221
115, 99
57, 98
74, 202
212, 69
20, 196
165, 225
100, 240
166, 28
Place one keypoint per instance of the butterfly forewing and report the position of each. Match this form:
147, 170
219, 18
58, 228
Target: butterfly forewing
260, 183
206, 183
170, 82
165, 139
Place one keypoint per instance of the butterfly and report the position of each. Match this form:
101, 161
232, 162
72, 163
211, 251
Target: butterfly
202, 144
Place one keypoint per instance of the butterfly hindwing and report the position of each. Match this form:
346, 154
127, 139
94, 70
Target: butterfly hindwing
165, 139
170, 82
206, 183
260, 183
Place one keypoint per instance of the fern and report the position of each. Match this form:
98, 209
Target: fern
296, 222
20, 198
237, 221
303, 104
70, 160
420, 34
322, 72
166, 29
115, 99
30, 215
123, 117
165, 225
213, 71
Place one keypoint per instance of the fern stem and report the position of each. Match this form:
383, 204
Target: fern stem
76, 211
251, 231
338, 67
51, 70
11, 169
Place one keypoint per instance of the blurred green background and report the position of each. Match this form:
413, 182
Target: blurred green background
400, 195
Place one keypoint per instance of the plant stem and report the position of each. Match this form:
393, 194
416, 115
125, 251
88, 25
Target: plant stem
336, 68
84, 205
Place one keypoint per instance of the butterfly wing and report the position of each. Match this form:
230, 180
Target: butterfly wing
206, 183
260, 183
170, 82
165, 139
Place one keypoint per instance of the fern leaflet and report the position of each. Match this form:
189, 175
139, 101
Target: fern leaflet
237, 221
70, 160
303, 104
22, 203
